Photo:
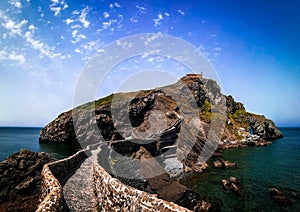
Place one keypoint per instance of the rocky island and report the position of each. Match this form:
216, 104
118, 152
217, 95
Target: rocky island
172, 129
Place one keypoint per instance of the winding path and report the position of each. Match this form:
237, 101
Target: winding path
78, 190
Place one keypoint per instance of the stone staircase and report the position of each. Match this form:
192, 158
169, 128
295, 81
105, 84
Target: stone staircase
78, 190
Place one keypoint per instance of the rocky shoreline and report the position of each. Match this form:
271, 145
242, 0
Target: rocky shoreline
20, 180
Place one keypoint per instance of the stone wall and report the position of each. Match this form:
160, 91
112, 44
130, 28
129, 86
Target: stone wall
54, 176
112, 195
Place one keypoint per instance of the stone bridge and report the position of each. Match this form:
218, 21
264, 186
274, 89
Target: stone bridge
79, 183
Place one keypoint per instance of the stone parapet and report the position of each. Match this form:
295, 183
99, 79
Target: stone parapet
112, 195
54, 176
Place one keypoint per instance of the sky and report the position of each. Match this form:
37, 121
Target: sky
254, 47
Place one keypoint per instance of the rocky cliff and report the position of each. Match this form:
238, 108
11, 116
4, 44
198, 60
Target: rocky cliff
180, 114
20, 180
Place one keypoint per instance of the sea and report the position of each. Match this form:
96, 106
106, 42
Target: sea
12, 139
259, 168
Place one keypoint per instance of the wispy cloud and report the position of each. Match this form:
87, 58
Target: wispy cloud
14, 28
77, 36
141, 9
82, 17
106, 14
12, 56
157, 21
57, 6
68, 21
78, 19
181, 12
16, 3
43, 48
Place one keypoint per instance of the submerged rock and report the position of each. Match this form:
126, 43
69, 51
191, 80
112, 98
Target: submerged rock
220, 163
279, 197
232, 184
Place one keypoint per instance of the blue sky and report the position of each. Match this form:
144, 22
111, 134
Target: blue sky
44, 45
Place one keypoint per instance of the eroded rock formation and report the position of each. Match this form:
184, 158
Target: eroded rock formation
20, 180
174, 121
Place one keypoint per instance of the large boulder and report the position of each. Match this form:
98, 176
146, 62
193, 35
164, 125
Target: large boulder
20, 180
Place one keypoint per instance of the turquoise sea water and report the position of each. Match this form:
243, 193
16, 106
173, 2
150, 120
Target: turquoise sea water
12, 139
259, 168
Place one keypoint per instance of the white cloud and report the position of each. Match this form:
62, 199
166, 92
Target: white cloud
77, 50
157, 21
13, 27
68, 21
160, 16
105, 14
74, 33
167, 14
16, 29
56, 10
81, 36
78, 37
117, 5
16, 3
181, 12
141, 9
17, 57
32, 27
43, 48
82, 17
12, 56
57, 6
75, 12
134, 19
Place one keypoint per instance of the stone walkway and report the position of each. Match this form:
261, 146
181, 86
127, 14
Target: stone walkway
78, 190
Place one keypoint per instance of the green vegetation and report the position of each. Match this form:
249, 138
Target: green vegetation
104, 101
98, 207
108, 99
24, 151
206, 111
113, 161
132, 156
237, 136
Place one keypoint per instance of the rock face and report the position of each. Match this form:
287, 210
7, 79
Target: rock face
20, 180
162, 119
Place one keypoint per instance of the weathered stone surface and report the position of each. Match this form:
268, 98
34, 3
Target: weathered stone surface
114, 196
54, 174
20, 180
264, 128
79, 188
